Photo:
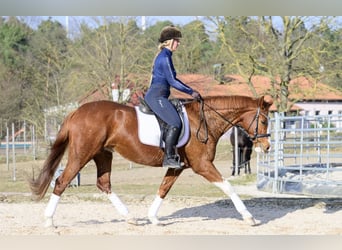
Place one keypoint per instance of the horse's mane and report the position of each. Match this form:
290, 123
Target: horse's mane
232, 102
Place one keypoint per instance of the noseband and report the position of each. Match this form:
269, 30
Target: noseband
203, 121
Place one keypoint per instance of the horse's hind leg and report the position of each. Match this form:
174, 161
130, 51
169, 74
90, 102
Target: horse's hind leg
103, 162
168, 180
69, 173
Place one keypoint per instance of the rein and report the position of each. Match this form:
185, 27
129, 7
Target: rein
204, 122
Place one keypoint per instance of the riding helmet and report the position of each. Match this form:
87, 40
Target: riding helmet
169, 32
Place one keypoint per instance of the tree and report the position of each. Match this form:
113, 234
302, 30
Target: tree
48, 65
194, 49
13, 46
280, 48
297, 54
330, 56
107, 52
236, 43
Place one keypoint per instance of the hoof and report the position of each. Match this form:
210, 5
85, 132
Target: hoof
132, 221
49, 223
154, 220
252, 222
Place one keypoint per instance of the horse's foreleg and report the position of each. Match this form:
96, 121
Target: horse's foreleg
103, 183
227, 188
168, 180
118, 204
209, 172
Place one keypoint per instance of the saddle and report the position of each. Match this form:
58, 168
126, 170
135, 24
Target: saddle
151, 129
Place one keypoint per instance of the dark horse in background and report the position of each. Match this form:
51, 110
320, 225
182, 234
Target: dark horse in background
97, 129
244, 148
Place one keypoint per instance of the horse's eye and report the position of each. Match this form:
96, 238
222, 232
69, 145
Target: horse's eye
264, 122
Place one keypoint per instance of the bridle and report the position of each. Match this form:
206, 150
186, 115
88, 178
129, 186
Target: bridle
256, 135
203, 122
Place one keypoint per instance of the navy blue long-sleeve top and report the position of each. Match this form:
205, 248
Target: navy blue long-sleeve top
164, 72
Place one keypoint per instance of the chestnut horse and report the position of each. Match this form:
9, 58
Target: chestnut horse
96, 129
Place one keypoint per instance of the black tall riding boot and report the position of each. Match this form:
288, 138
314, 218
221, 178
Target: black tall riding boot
171, 159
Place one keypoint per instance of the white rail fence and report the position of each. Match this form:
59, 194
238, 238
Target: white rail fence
305, 158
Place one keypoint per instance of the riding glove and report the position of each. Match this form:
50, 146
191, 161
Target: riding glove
196, 95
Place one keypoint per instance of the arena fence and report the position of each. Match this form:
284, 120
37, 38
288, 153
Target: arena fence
305, 158
17, 141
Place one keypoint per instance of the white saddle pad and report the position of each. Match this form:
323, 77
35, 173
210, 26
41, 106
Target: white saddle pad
149, 130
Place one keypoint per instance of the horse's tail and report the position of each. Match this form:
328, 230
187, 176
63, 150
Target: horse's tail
40, 185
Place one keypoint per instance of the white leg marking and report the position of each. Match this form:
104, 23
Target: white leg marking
122, 209
227, 188
49, 222
153, 211
50, 210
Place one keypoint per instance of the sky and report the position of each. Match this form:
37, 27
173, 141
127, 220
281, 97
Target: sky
150, 20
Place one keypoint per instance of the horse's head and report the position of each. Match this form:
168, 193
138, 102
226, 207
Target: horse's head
255, 123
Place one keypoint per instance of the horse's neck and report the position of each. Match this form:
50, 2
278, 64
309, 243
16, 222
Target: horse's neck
210, 123
232, 117
223, 113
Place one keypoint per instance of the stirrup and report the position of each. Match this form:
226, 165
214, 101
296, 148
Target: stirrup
172, 162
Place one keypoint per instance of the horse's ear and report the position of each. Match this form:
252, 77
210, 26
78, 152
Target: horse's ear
265, 102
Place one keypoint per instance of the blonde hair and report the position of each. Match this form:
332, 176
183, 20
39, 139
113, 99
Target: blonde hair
164, 44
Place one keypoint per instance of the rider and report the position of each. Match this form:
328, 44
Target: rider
163, 77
